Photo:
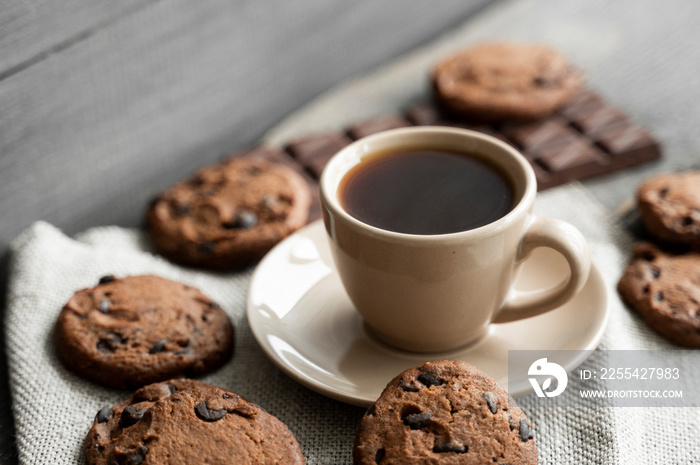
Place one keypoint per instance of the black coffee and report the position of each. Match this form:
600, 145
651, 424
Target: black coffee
426, 192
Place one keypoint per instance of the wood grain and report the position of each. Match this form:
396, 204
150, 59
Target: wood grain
32, 29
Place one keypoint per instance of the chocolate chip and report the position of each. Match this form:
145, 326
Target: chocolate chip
158, 346
213, 304
109, 343
106, 279
687, 220
104, 415
417, 420
379, 456
105, 346
181, 210
268, 201
244, 219
104, 306
663, 192
133, 458
206, 247
645, 289
540, 82
493, 406
183, 352
448, 447
131, 415
429, 379
525, 430
171, 388
655, 272
510, 423
204, 413
659, 296
407, 388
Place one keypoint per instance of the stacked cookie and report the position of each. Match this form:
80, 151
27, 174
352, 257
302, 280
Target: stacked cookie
662, 281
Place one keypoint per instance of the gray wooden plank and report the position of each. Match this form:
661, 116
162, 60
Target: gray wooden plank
30, 29
91, 132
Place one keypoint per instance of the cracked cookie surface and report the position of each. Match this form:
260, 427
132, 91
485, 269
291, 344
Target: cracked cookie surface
444, 412
187, 421
228, 215
669, 206
506, 81
136, 330
664, 289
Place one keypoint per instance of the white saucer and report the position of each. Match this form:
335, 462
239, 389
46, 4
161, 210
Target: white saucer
302, 318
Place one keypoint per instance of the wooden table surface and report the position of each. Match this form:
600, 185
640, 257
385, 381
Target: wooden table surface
107, 102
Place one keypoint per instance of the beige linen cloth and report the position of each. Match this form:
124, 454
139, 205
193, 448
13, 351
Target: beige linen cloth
54, 409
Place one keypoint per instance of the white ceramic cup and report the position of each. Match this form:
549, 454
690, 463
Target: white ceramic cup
432, 293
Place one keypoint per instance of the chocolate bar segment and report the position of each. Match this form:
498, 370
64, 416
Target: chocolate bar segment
592, 118
375, 125
570, 159
428, 115
627, 145
313, 152
424, 115
533, 134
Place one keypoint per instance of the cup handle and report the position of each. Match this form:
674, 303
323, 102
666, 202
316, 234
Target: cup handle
568, 241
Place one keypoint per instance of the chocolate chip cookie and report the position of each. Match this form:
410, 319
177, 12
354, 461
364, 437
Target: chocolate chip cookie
506, 81
664, 289
444, 412
128, 332
228, 215
187, 421
669, 206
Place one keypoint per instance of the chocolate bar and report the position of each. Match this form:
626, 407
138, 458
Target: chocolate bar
588, 137
314, 151
375, 125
